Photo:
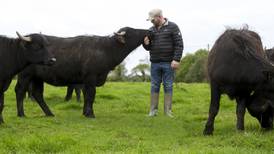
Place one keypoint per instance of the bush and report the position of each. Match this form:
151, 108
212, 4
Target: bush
193, 67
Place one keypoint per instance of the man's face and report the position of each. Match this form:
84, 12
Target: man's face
156, 21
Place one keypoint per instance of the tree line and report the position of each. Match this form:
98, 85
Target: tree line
192, 69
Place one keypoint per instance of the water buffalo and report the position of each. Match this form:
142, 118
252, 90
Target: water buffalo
238, 67
83, 60
16, 54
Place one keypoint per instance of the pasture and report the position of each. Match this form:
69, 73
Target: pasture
122, 125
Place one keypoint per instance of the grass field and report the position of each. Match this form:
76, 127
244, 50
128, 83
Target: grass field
122, 125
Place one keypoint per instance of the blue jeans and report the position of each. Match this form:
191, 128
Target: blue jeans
161, 72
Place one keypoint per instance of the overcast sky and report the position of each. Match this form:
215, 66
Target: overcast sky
201, 22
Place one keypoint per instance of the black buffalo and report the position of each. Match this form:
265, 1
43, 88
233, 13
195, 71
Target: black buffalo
16, 54
83, 60
238, 67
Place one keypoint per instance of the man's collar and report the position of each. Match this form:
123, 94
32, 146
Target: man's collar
166, 22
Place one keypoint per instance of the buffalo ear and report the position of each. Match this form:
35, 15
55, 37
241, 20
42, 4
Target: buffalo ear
120, 36
121, 39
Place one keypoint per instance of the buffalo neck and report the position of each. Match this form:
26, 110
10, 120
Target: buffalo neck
12, 55
119, 51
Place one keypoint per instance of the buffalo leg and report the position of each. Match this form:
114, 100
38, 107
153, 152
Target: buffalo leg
69, 92
1, 106
30, 95
78, 93
20, 90
240, 112
213, 109
38, 89
89, 95
4, 85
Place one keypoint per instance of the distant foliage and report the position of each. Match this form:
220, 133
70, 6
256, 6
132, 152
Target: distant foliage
193, 67
118, 74
140, 73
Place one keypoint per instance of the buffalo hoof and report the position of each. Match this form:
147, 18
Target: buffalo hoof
240, 128
50, 115
208, 131
21, 115
89, 115
67, 99
240, 131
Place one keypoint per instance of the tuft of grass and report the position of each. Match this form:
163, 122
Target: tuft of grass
122, 124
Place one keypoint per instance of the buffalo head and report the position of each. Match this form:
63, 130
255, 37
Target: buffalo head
35, 49
128, 35
262, 109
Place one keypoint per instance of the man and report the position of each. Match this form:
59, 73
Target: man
165, 44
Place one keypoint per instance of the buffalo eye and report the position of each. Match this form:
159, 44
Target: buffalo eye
36, 46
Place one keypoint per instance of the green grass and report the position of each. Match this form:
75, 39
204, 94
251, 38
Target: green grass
122, 125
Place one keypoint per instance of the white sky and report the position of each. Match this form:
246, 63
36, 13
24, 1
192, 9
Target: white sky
201, 22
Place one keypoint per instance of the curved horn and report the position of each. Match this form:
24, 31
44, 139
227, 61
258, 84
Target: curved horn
121, 33
28, 39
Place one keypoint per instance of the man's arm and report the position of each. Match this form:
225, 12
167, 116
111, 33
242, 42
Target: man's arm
148, 39
178, 43
147, 44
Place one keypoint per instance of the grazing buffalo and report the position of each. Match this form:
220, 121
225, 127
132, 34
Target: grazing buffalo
16, 54
83, 60
238, 67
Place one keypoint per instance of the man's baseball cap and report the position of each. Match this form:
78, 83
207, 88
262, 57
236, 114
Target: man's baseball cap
154, 13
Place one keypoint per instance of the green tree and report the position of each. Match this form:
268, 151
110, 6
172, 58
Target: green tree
193, 67
142, 69
197, 71
119, 73
186, 62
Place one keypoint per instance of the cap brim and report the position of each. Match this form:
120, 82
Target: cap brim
150, 19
